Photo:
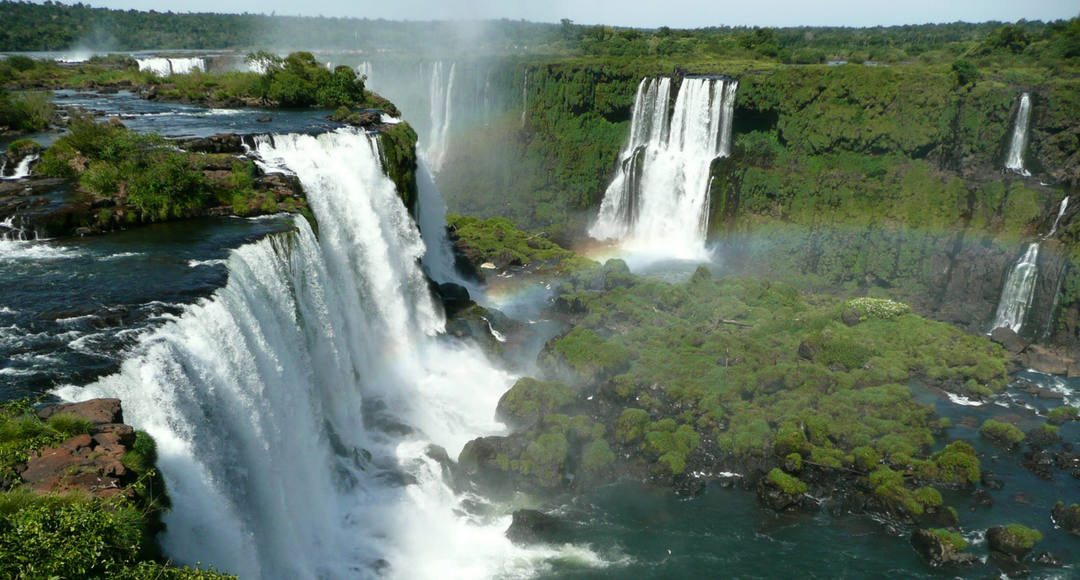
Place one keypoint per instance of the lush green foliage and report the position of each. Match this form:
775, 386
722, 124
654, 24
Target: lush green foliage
790, 485
299, 80
1003, 433
530, 399
1024, 535
591, 356
397, 147
955, 540
24, 112
1063, 413
487, 240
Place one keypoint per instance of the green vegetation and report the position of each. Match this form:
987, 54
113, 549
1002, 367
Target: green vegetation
952, 539
497, 240
1002, 433
1059, 415
530, 399
74, 535
299, 80
591, 357
790, 485
1025, 536
149, 178
397, 147
24, 112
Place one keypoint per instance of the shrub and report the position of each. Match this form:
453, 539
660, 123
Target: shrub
1003, 433
953, 539
1061, 414
878, 307
790, 485
596, 456
1024, 535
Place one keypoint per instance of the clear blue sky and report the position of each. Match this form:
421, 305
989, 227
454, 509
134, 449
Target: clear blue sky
645, 13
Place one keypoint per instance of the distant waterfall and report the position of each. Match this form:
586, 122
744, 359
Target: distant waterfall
293, 409
1015, 160
440, 90
525, 98
164, 67
1018, 291
364, 69
659, 198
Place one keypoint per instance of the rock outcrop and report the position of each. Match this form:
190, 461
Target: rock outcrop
937, 552
531, 526
92, 462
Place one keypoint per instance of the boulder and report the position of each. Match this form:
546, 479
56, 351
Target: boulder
1048, 559
1067, 517
1009, 565
1008, 338
530, 526
775, 498
99, 411
982, 497
991, 481
454, 297
850, 317
1044, 360
264, 119
1000, 540
937, 552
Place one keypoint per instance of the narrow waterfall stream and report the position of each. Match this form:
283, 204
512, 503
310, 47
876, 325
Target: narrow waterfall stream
296, 410
440, 91
1015, 159
658, 201
1019, 286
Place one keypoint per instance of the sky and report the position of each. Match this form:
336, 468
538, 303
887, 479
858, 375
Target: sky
643, 13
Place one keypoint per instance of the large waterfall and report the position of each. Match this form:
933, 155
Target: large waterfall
294, 409
440, 89
658, 201
1015, 159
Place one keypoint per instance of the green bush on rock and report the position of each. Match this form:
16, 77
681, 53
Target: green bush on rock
790, 485
1002, 433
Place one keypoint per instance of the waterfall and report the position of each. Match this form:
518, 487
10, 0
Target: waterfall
659, 199
438, 258
1015, 160
440, 90
293, 408
22, 169
164, 67
1018, 291
525, 98
1061, 211
364, 69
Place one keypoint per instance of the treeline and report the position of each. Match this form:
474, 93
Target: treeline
56, 26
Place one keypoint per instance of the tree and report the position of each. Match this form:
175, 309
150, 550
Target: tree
965, 71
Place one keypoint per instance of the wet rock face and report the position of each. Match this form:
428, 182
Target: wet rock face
90, 462
531, 526
1000, 540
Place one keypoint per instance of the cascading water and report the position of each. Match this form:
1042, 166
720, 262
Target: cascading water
1018, 291
164, 67
1061, 211
1015, 159
22, 169
438, 258
525, 98
1019, 287
440, 90
294, 408
658, 201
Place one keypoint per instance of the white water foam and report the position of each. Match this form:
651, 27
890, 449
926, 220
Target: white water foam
1018, 291
440, 96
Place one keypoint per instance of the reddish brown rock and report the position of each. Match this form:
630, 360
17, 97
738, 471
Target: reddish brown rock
100, 411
